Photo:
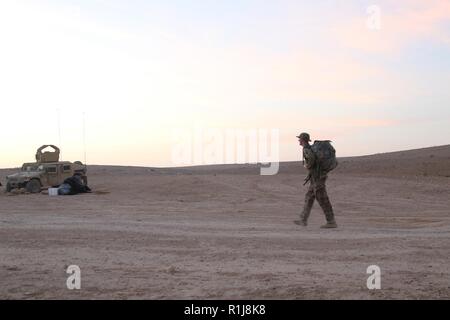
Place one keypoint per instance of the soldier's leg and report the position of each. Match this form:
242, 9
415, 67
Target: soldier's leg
309, 201
324, 201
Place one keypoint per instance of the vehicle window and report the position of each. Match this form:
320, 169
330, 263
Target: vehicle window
51, 169
66, 168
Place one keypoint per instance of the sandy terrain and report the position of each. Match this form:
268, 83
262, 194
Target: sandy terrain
224, 232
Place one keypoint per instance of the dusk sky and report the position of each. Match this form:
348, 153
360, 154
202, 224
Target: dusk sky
138, 70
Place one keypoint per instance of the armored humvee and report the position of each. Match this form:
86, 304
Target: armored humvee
46, 172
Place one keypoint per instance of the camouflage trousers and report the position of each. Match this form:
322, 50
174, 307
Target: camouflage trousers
317, 190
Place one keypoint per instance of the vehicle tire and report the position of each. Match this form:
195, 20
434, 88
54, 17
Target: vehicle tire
33, 186
79, 163
8, 187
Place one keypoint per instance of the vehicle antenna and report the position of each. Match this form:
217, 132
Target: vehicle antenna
84, 138
58, 113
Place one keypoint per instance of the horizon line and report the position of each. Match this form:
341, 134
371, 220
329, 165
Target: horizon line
254, 163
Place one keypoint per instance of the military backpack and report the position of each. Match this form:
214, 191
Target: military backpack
325, 155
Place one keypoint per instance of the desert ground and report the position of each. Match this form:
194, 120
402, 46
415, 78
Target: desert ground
225, 232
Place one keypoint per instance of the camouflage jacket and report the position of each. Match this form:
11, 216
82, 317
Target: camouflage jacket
310, 162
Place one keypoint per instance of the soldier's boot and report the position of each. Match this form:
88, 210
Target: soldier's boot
329, 225
331, 222
324, 201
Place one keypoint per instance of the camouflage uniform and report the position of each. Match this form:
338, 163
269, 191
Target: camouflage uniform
317, 189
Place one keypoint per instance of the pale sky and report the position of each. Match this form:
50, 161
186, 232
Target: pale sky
139, 70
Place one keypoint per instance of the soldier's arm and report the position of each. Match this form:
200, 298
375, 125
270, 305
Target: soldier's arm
310, 159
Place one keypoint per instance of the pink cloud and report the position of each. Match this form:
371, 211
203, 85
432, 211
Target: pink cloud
414, 20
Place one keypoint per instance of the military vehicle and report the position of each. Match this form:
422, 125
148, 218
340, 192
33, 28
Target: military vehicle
46, 172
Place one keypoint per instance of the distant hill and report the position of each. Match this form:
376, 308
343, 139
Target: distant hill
433, 161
